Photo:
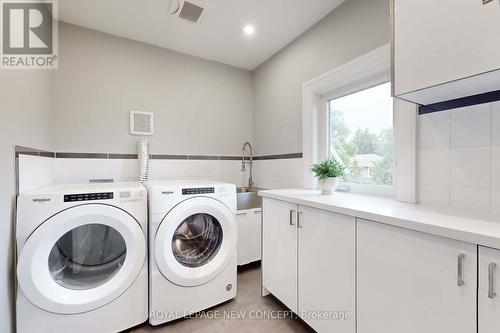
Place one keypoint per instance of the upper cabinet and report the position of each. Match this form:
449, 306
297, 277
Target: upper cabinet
444, 50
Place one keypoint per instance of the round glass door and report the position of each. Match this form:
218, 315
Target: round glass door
197, 240
87, 256
81, 259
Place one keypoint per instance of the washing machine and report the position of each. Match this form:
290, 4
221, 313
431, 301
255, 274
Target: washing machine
82, 258
192, 244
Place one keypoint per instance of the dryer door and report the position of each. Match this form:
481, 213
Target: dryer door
81, 259
195, 241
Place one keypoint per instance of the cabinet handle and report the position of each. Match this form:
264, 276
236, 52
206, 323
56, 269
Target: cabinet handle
257, 211
460, 280
291, 217
298, 219
491, 280
239, 214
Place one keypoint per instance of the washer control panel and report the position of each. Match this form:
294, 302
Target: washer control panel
88, 196
199, 190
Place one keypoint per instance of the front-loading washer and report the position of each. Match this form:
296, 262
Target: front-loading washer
192, 243
82, 258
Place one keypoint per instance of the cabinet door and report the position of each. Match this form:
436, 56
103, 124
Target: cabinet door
414, 282
326, 270
279, 261
488, 294
255, 235
442, 41
243, 222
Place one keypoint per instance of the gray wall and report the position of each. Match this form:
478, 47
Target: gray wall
200, 106
25, 111
351, 30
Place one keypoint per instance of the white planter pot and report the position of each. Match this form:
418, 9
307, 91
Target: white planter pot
329, 185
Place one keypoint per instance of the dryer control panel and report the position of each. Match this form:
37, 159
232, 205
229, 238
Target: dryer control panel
88, 196
199, 190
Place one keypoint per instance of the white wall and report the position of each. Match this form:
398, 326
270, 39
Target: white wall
200, 106
351, 30
459, 158
25, 110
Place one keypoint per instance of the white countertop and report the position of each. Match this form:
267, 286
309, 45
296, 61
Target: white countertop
481, 229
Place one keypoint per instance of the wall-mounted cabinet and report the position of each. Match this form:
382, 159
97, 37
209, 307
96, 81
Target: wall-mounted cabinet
444, 50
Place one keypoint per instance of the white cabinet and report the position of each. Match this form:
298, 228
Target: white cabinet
488, 292
279, 257
326, 270
309, 263
249, 235
445, 42
255, 235
243, 222
414, 282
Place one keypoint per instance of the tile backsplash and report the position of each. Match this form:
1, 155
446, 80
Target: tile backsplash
37, 168
37, 171
459, 158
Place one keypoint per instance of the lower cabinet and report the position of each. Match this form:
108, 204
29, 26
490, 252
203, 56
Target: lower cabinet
414, 282
489, 281
255, 252
326, 270
279, 256
342, 274
249, 235
309, 263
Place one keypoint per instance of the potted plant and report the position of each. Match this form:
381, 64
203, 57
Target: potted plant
328, 173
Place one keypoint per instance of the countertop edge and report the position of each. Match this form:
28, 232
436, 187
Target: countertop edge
465, 234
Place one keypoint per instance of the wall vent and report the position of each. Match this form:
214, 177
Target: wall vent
141, 123
190, 10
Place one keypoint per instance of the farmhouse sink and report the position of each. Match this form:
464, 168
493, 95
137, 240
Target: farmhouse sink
247, 198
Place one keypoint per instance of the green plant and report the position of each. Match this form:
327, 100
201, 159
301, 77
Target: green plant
328, 169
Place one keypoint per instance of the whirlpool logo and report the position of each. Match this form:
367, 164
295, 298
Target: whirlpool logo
41, 200
29, 34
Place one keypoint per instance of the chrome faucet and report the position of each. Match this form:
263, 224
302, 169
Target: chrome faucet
244, 162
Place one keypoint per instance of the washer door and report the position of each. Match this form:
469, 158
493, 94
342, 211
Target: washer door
81, 259
195, 241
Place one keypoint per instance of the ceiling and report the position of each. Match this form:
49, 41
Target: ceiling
218, 37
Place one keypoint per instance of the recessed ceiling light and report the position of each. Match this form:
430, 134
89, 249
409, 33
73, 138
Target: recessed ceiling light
249, 30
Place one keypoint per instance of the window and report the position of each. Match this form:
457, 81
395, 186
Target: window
361, 135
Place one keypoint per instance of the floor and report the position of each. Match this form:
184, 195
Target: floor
247, 303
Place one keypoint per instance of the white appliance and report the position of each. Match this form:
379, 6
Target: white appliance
192, 242
82, 258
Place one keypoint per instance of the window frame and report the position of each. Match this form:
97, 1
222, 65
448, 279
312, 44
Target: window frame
345, 90
369, 64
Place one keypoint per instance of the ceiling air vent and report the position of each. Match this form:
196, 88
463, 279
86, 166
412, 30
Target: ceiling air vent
191, 10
